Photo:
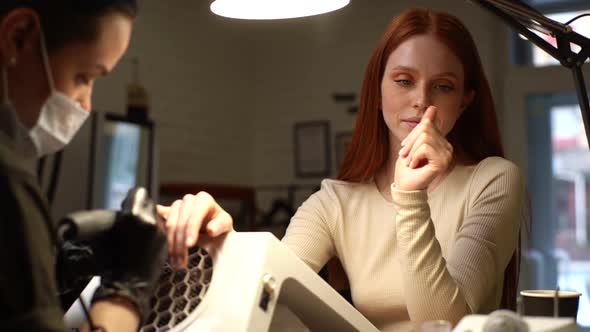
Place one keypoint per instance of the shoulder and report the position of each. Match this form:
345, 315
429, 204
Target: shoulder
493, 169
16, 177
497, 175
333, 196
340, 191
343, 186
19, 189
496, 165
14, 168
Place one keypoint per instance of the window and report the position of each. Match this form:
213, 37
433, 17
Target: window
559, 186
526, 53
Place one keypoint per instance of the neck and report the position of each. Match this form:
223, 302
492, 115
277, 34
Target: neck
23, 111
385, 176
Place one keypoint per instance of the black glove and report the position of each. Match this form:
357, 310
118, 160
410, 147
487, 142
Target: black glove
137, 252
131, 255
75, 266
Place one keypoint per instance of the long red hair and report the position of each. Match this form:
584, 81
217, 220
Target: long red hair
475, 135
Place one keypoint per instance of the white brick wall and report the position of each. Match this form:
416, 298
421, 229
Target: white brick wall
226, 94
194, 66
300, 63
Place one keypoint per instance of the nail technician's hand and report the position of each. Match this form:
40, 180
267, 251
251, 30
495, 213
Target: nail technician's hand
187, 217
424, 155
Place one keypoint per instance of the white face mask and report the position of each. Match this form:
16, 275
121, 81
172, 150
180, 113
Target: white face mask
60, 117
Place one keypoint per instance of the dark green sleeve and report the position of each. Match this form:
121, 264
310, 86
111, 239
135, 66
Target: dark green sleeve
28, 296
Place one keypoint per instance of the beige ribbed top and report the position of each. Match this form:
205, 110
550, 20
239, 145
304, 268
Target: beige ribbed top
436, 255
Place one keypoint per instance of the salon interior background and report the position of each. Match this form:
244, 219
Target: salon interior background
226, 94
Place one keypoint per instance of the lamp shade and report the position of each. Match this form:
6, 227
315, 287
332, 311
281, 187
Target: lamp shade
274, 9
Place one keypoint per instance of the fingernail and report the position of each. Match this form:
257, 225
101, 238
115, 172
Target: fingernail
189, 240
403, 143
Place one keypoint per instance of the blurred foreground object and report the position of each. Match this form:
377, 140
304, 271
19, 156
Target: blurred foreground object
243, 282
508, 321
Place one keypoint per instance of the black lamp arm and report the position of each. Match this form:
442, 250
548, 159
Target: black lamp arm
516, 14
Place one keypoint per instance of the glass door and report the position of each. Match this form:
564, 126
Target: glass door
559, 190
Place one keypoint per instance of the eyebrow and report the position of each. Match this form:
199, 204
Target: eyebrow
405, 68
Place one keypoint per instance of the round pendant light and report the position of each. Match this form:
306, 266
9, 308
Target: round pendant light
274, 9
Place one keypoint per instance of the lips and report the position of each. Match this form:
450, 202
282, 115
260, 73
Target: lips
411, 122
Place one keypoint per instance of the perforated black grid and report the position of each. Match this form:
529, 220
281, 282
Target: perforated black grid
179, 292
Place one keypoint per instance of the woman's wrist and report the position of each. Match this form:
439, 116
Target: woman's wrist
403, 187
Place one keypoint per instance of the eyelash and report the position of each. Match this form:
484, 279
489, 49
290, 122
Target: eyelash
403, 82
445, 88
441, 87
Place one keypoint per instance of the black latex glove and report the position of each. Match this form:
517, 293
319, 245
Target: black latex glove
132, 253
75, 266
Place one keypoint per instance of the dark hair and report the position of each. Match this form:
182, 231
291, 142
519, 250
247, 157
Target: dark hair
475, 135
68, 21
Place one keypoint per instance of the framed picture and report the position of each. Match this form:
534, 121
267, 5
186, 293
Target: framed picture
341, 142
312, 149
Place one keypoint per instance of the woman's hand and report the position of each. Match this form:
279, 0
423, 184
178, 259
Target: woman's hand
424, 155
186, 218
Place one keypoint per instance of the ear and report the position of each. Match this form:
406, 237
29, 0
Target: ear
19, 33
467, 99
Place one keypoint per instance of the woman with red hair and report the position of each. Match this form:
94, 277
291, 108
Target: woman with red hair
425, 214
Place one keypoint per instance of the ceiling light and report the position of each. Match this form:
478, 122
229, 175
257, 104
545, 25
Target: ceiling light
274, 9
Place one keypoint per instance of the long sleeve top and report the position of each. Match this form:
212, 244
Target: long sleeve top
424, 256
28, 289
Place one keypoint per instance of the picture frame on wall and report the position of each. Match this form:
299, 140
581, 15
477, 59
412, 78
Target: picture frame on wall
312, 149
341, 141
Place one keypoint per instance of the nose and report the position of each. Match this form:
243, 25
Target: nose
422, 98
86, 104
86, 101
